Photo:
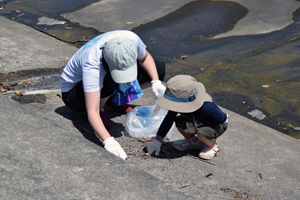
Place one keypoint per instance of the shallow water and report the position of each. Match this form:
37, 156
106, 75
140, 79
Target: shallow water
242, 73
233, 69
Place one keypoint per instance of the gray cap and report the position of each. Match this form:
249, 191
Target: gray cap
121, 57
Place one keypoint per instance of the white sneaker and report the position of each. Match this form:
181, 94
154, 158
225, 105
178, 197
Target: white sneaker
209, 152
185, 144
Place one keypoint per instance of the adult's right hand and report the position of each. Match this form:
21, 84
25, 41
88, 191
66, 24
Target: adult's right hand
158, 88
114, 147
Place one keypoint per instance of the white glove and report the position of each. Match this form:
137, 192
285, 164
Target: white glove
158, 88
114, 147
154, 146
190, 128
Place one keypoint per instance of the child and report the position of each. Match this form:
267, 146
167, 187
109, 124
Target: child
200, 118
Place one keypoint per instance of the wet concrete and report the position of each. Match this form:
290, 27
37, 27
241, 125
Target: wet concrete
43, 7
263, 17
29, 12
33, 98
173, 36
30, 86
39, 79
105, 15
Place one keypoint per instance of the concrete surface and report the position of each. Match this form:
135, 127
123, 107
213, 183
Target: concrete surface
108, 15
50, 152
263, 16
33, 52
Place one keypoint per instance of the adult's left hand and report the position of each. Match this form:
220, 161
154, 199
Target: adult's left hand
158, 88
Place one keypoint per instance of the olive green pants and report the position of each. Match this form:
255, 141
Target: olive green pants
212, 131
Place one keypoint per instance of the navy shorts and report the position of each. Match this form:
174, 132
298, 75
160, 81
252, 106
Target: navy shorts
75, 100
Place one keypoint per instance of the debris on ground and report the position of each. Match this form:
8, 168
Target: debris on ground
192, 183
208, 175
237, 194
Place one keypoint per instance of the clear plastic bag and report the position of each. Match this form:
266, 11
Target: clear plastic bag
144, 121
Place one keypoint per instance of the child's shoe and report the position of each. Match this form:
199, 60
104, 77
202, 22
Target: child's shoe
209, 152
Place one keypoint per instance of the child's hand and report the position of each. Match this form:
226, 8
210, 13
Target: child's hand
154, 146
190, 128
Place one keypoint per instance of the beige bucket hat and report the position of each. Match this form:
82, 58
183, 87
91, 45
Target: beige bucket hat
183, 94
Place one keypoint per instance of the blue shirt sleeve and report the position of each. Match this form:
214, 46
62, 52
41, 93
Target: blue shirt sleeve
167, 123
